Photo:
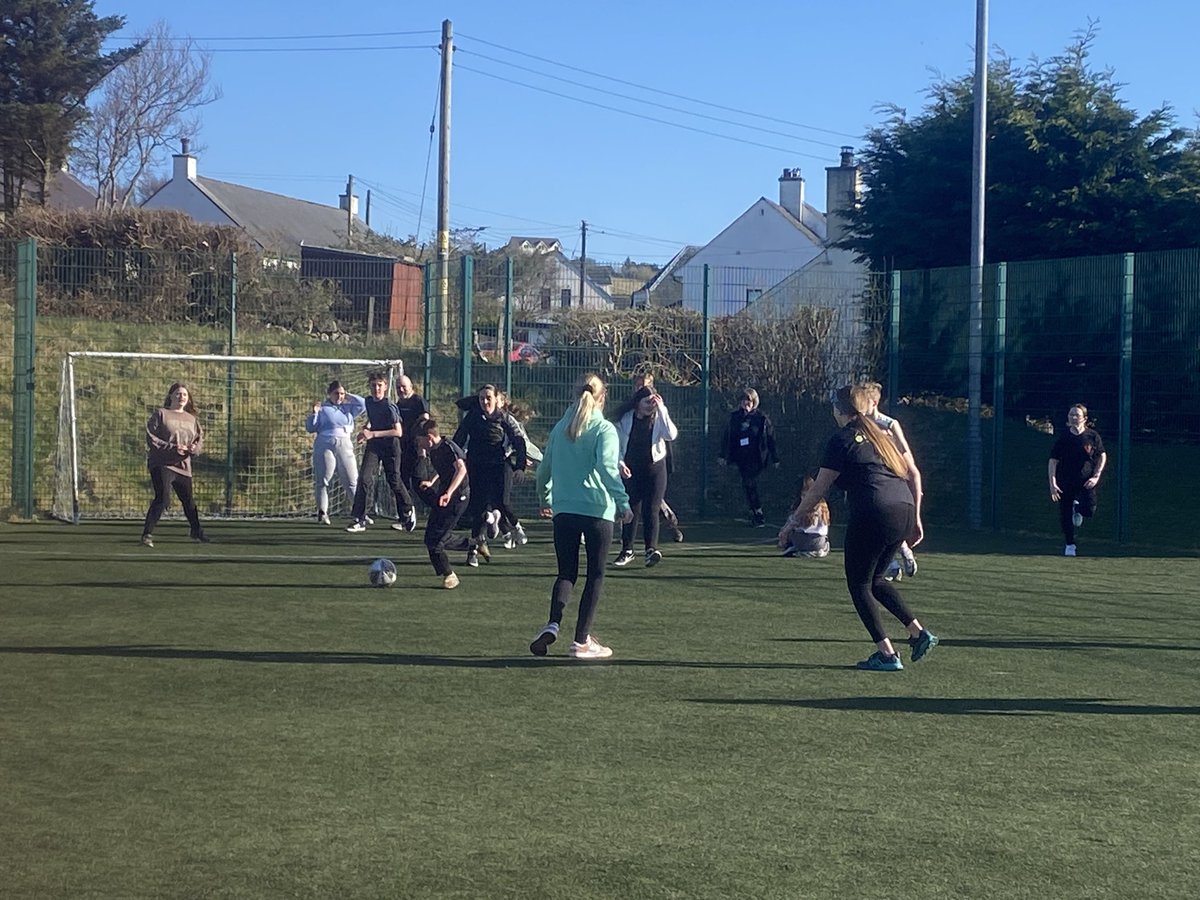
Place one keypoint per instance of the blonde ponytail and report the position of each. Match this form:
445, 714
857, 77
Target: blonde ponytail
591, 396
855, 402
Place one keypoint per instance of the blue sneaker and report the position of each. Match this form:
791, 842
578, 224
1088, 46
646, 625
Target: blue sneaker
877, 662
922, 644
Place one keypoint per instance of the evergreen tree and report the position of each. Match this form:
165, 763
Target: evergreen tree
50, 60
1071, 171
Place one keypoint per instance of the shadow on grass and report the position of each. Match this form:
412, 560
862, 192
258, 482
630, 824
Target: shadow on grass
1016, 644
329, 657
971, 706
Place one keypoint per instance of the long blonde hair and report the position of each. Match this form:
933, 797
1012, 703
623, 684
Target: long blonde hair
591, 392
855, 402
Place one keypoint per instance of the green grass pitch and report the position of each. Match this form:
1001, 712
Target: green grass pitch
251, 719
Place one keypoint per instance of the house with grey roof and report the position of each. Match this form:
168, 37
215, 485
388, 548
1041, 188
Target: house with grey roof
280, 225
312, 238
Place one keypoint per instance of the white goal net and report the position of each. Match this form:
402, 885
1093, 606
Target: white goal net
257, 459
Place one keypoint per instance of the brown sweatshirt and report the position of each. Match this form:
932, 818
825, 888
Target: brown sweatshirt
166, 431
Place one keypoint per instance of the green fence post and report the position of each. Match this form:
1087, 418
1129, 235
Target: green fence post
24, 320
230, 381
507, 341
428, 338
998, 388
706, 388
893, 385
466, 329
1125, 401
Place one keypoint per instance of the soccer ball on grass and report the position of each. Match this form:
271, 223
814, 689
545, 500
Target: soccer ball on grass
382, 573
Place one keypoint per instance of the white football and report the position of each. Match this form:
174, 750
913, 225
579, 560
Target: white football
382, 573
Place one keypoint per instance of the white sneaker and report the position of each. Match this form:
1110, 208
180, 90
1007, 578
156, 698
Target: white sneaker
509, 541
357, 528
409, 520
450, 582
547, 636
368, 520
520, 535
590, 649
1069, 550
909, 563
323, 518
473, 559
1076, 515
493, 523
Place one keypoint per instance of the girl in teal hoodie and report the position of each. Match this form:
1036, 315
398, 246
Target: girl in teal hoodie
579, 485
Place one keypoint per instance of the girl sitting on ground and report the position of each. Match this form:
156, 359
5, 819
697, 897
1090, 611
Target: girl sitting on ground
806, 535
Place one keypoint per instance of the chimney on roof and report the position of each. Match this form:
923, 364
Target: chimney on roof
843, 190
791, 192
183, 164
349, 200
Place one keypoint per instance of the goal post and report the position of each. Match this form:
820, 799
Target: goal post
257, 457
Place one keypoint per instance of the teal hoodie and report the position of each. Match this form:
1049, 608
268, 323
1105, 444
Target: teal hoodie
581, 476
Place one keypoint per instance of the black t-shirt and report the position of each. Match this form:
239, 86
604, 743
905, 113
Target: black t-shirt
1077, 456
442, 458
411, 409
382, 415
868, 482
637, 450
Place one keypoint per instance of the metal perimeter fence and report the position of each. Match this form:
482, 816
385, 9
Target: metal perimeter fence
1119, 334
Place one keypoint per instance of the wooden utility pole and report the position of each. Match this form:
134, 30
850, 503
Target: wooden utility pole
441, 330
582, 259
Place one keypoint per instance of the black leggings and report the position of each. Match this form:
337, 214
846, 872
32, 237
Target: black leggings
646, 489
1066, 507
163, 480
487, 492
596, 535
872, 539
508, 518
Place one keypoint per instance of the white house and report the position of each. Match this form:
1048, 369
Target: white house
771, 241
546, 280
279, 224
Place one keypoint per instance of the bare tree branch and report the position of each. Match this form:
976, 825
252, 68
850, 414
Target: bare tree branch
145, 106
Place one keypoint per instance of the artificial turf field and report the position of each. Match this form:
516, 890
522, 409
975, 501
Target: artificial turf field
250, 719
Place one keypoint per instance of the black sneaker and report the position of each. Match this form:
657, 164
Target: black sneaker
547, 636
624, 558
201, 538
653, 557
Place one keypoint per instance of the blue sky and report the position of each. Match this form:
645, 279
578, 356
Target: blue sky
787, 83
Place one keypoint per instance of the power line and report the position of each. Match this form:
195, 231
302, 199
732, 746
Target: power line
676, 109
644, 87
309, 49
293, 37
626, 112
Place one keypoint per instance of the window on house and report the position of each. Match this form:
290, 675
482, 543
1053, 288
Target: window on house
545, 298
565, 298
752, 294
